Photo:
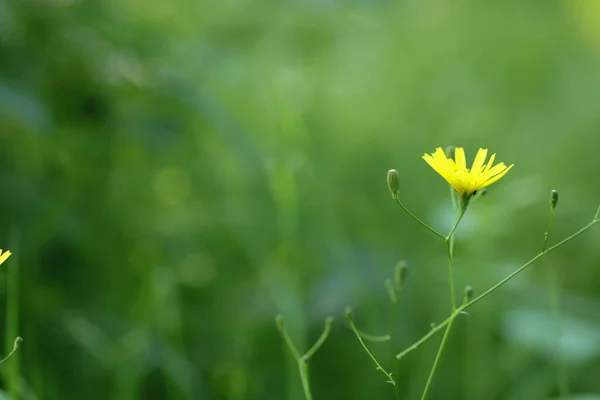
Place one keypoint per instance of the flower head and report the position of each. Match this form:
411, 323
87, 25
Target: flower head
464, 180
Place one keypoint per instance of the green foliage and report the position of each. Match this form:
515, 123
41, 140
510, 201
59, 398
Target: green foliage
179, 173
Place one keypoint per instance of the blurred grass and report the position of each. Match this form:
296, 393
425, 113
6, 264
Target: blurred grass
182, 172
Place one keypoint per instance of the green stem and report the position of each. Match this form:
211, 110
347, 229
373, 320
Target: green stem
286, 337
451, 274
528, 263
379, 367
437, 358
303, 368
373, 338
494, 288
425, 338
16, 345
547, 234
324, 335
303, 360
460, 217
597, 216
561, 371
418, 219
449, 244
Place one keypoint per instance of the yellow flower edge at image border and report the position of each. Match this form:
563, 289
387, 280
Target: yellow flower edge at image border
464, 180
4, 256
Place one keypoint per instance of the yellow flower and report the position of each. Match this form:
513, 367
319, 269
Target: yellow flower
4, 256
464, 180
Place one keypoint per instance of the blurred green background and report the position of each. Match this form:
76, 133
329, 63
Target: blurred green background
175, 174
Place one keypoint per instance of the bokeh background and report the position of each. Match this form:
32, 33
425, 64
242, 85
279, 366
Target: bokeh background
176, 174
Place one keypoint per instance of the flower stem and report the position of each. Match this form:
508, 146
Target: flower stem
528, 263
493, 288
418, 219
547, 234
379, 367
437, 358
449, 249
303, 360
324, 335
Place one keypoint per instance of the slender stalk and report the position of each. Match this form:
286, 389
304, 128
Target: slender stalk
303, 360
554, 297
324, 335
379, 367
286, 337
460, 217
528, 263
561, 370
437, 358
373, 338
16, 345
425, 338
549, 230
451, 273
494, 288
418, 219
449, 244
597, 216
393, 308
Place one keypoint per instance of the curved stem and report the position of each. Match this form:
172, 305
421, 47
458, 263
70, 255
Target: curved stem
308, 355
437, 358
379, 367
16, 345
418, 219
373, 338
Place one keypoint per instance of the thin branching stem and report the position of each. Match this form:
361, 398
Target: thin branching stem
360, 339
429, 228
494, 288
437, 359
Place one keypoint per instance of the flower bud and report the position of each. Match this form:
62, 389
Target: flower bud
279, 322
393, 182
348, 312
553, 199
400, 274
468, 293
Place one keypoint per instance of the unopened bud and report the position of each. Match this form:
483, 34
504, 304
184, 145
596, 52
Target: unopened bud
400, 273
450, 150
393, 182
348, 312
468, 293
389, 285
553, 199
279, 322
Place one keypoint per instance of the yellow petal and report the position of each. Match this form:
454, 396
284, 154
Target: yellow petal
461, 162
4, 256
500, 175
479, 160
433, 163
496, 169
490, 163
